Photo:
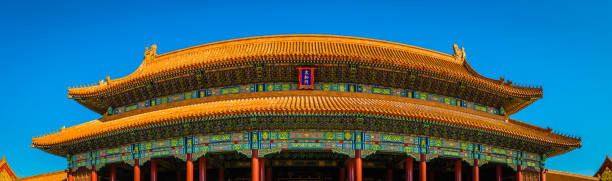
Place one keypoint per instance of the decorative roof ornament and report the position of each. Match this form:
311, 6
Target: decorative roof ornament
150, 54
459, 54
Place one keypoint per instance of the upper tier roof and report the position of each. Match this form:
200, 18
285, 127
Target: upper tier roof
257, 48
289, 102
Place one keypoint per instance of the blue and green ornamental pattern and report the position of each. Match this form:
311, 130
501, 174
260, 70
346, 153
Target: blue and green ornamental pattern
337, 87
342, 142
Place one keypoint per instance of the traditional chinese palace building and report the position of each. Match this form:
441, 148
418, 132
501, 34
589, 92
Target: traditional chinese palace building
305, 108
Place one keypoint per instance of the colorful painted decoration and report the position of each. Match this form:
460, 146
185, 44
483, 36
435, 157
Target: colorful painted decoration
336, 87
342, 142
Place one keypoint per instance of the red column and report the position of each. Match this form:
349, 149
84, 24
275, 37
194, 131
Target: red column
519, 173
70, 178
409, 168
202, 168
389, 174
221, 174
342, 176
498, 173
542, 174
269, 174
475, 172
178, 175
262, 169
94, 176
351, 169
136, 170
423, 168
458, 170
153, 170
254, 165
358, 169
113, 174
189, 173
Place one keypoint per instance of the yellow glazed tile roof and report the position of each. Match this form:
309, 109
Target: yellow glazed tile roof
305, 102
6, 173
296, 46
51, 176
554, 175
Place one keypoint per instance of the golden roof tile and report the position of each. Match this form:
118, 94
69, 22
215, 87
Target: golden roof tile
6, 173
554, 175
323, 46
305, 102
51, 176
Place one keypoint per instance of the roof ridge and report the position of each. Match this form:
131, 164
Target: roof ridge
303, 35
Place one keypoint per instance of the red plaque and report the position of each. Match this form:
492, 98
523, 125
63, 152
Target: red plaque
306, 78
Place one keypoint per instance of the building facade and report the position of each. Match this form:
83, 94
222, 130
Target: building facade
305, 107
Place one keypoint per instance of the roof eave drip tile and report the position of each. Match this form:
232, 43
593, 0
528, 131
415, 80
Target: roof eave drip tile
309, 102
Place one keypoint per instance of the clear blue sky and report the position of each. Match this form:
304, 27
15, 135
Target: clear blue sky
562, 45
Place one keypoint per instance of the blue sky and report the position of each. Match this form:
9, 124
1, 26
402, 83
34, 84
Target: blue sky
561, 45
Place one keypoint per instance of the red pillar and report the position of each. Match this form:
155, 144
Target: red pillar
269, 174
351, 169
342, 176
189, 173
136, 170
221, 174
475, 172
70, 178
519, 173
178, 175
498, 173
94, 176
542, 174
409, 168
358, 167
389, 174
458, 170
423, 168
153, 170
202, 168
254, 165
113, 174
262, 169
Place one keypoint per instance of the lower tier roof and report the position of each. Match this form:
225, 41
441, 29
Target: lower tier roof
51, 176
554, 175
305, 102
